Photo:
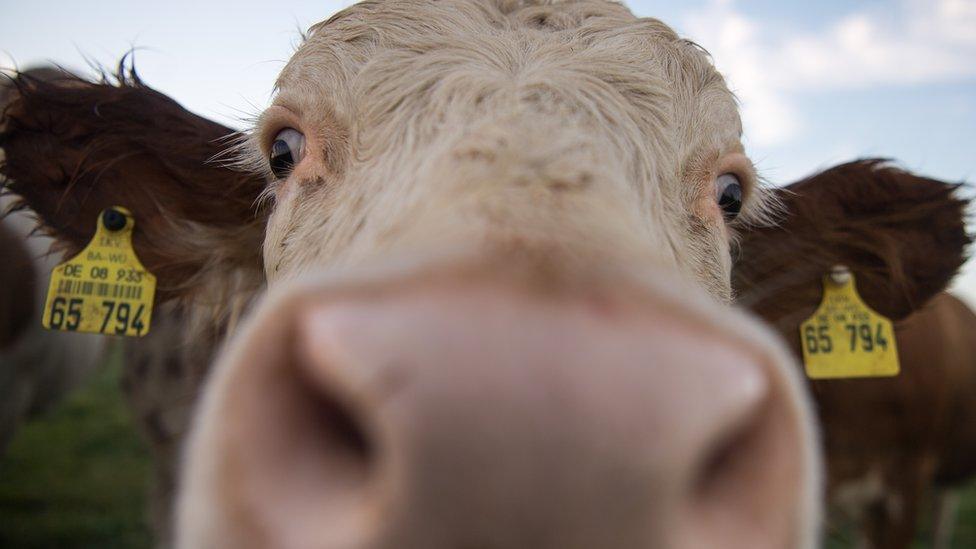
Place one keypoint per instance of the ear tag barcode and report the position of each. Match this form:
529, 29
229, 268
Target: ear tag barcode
845, 338
104, 289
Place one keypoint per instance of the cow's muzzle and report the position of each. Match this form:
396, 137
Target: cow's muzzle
471, 415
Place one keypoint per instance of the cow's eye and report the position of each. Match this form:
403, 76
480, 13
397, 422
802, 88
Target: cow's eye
729, 190
286, 151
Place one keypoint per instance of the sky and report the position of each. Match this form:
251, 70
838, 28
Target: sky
819, 82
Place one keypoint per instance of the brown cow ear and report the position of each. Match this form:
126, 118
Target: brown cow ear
902, 235
74, 147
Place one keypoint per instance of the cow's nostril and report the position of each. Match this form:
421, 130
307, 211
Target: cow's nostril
743, 484
296, 445
303, 430
721, 463
328, 379
345, 433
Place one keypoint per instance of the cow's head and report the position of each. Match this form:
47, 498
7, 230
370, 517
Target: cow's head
497, 237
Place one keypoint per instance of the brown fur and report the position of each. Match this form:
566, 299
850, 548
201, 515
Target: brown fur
75, 147
957, 451
17, 278
904, 237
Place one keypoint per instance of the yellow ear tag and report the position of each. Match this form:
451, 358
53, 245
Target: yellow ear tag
845, 338
104, 289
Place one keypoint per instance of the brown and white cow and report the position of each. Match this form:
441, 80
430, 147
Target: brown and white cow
497, 243
933, 435
888, 441
37, 368
954, 346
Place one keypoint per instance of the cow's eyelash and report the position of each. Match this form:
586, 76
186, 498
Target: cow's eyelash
243, 154
269, 195
762, 206
248, 150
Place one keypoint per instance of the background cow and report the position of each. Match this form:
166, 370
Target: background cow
933, 405
165, 369
887, 439
466, 167
37, 367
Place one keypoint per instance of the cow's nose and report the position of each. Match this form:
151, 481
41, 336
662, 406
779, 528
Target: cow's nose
478, 417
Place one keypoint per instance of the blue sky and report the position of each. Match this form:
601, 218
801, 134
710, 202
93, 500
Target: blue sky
819, 82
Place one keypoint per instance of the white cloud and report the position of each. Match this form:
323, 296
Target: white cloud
917, 41
736, 43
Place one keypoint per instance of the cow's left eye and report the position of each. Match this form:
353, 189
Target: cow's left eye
286, 151
729, 191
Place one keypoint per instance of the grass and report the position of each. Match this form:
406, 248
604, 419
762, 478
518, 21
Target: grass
963, 534
78, 478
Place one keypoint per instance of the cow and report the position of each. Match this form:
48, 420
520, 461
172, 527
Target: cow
888, 440
17, 275
941, 340
37, 368
163, 371
483, 255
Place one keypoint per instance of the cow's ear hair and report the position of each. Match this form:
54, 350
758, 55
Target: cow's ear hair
73, 147
903, 236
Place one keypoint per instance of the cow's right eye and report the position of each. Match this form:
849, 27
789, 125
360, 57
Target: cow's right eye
286, 151
729, 190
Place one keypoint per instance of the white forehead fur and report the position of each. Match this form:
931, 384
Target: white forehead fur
573, 123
